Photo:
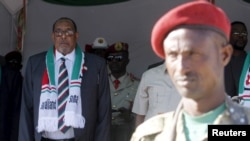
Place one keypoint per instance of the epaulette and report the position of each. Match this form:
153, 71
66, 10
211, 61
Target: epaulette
151, 127
133, 77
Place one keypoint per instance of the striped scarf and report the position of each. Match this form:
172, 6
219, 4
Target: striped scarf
48, 113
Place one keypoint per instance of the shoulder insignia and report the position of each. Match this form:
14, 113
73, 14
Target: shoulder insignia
133, 77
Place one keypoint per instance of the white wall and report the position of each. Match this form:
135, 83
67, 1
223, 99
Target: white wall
129, 22
7, 34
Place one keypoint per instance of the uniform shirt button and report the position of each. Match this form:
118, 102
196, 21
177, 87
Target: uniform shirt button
114, 106
115, 94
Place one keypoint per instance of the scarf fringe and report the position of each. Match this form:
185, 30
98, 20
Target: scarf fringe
50, 124
74, 120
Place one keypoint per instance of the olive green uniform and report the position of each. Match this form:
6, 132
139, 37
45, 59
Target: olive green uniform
123, 96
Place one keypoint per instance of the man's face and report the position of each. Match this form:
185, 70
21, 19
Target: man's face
117, 62
194, 62
14, 64
64, 37
238, 37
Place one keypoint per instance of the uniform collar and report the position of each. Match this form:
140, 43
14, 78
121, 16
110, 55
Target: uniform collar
120, 78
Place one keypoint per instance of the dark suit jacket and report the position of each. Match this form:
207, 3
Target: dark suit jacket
232, 74
95, 96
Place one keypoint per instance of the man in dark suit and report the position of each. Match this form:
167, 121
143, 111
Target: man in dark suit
233, 70
10, 95
87, 114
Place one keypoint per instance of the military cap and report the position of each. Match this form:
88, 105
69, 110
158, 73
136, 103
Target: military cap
196, 13
99, 43
118, 47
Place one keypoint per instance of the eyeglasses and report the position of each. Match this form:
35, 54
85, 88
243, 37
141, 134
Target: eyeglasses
59, 33
115, 58
13, 61
240, 34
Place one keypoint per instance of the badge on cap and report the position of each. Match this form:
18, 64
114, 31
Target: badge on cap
100, 43
118, 46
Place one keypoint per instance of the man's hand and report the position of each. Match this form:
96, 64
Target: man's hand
125, 113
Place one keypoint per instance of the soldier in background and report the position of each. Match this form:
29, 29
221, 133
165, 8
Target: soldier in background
195, 46
156, 94
155, 64
123, 87
98, 47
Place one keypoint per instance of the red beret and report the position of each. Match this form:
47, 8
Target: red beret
201, 13
118, 47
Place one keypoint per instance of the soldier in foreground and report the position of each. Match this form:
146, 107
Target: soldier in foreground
193, 38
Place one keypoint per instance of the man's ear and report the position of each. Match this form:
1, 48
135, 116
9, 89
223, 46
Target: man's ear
227, 52
52, 37
77, 35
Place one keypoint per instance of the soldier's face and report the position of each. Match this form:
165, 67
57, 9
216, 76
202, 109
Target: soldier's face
117, 62
195, 60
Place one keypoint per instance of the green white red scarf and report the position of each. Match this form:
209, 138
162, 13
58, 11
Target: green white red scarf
244, 84
48, 113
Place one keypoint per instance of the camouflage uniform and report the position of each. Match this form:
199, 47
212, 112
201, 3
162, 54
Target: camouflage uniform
169, 126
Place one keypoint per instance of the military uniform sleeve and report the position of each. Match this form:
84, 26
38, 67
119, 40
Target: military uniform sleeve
141, 101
